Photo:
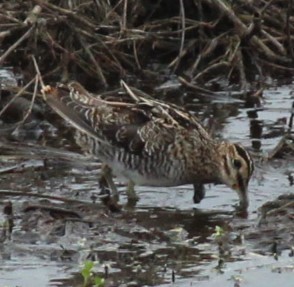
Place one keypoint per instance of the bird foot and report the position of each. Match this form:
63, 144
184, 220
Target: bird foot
131, 193
109, 189
199, 193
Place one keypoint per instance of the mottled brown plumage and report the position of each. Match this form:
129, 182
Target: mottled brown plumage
150, 142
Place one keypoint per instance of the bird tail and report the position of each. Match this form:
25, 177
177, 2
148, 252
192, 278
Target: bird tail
75, 105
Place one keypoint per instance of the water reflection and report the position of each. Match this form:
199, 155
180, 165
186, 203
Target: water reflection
143, 245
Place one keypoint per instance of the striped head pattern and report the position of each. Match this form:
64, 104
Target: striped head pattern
237, 169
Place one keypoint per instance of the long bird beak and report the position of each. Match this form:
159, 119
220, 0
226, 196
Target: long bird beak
243, 196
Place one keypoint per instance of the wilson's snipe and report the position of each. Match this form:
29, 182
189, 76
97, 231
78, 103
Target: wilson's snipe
150, 142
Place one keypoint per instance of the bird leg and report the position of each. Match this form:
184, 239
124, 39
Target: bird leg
199, 192
108, 188
106, 181
131, 193
132, 197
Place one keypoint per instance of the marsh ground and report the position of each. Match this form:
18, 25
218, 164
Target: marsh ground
164, 235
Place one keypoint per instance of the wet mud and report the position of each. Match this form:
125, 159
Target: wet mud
52, 220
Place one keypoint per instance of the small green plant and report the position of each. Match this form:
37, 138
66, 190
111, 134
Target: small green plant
219, 232
220, 237
89, 278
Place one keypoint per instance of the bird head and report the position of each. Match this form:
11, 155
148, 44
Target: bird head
236, 170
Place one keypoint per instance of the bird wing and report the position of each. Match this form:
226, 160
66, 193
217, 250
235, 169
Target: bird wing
137, 124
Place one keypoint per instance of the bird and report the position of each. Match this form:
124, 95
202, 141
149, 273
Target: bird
150, 142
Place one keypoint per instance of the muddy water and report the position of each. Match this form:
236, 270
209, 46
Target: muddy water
164, 238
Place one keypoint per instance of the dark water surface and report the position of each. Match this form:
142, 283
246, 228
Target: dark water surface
165, 236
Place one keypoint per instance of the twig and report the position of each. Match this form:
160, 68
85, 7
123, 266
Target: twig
195, 65
275, 42
93, 60
53, 210
129, 91
288, 28
32, 101
136, 56
280, 147
10, 169
183, 24
50, 197
33, 15
267, 5
38, 74
241, 68
194, 87
277, 66
112, 42
124, 20
222, 64
83, 20
39, 152
188, 47
16, 95
10, 18
242, 31
287, 140
16, 44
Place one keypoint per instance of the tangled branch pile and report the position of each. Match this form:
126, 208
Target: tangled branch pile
100, 41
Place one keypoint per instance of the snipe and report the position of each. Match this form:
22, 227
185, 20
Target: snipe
150, 142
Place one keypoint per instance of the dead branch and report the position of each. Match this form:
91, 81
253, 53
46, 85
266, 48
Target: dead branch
15, 45
101, 41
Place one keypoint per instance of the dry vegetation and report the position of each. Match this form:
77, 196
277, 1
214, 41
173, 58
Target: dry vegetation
98, 42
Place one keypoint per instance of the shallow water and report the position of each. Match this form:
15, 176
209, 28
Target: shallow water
164, 233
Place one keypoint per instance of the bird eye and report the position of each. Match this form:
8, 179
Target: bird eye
237, 163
